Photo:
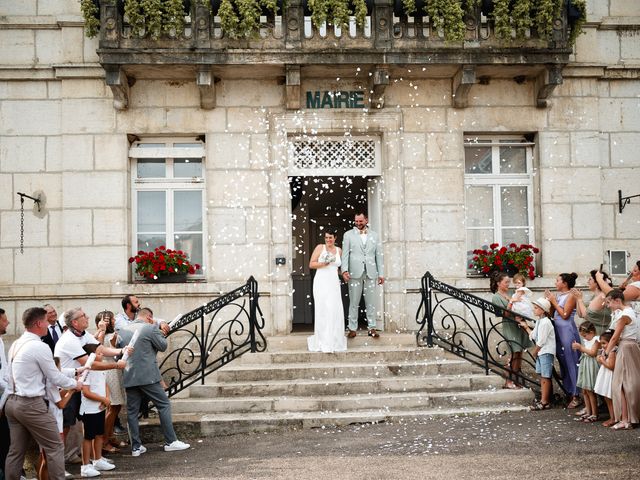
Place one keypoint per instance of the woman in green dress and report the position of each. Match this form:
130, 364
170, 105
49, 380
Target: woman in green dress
517, 339
596, 312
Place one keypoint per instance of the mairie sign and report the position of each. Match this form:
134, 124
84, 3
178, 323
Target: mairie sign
335, 99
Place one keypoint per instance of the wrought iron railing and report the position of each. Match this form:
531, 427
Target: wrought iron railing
212, 336
471, 328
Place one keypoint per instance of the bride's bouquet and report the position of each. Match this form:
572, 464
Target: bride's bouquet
327, 257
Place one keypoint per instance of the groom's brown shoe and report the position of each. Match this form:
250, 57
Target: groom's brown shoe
351, 334
373, 333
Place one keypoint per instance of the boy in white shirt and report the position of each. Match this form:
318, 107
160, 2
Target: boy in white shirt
95, 400
544, 337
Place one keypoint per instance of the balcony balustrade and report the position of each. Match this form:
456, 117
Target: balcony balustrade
288, 44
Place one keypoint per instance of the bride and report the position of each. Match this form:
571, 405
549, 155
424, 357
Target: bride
328, 335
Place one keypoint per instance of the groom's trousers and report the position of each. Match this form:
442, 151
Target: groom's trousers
358, 286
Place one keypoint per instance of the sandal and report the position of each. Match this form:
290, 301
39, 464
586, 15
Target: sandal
110, 449
540, 406
622, 426
581, 413
609, 423
575, 403
590, 419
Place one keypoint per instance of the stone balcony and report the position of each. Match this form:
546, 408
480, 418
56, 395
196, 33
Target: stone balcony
288, 46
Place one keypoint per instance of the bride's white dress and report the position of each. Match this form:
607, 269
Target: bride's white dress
328, 333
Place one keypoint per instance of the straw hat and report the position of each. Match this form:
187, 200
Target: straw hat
544, 304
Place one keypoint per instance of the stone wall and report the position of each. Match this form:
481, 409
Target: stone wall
60, 134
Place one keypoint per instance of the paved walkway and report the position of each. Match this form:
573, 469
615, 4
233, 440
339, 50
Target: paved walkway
540, 445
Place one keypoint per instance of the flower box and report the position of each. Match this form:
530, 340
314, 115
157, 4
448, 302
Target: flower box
163, 265
512, 259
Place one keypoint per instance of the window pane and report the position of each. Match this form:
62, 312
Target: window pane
151, 212
477, 159
150, 145
514, 206
151, 168
187, 167
191, 244
479, 206
188, 145
148, 242
515, 235
477, 239
513, 160
187, 210
480, 238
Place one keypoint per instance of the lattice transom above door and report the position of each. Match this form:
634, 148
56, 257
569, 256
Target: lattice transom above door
324, 156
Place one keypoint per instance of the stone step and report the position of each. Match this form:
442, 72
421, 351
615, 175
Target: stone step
298, 341
312, 371
340, 403
375, 380
369, 355
189, 425
332, 386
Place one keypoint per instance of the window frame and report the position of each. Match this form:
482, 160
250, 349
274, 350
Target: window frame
168, 184
497, 181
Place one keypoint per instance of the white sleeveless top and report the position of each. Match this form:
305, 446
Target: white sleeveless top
630, 331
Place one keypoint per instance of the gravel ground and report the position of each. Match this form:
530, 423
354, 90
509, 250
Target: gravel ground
548, 445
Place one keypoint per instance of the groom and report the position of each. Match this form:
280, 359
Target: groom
362, 266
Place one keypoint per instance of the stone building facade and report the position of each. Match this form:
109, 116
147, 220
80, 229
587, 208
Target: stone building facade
63, 136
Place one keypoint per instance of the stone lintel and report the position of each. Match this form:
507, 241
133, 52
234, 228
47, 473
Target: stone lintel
377, 84
461, 84
293, 81
118, 81
546, 83
207, 85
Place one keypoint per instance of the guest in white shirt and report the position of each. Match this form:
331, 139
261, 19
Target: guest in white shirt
30, 367
4, 392
71, 352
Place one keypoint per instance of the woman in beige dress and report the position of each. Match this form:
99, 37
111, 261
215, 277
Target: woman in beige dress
625, 385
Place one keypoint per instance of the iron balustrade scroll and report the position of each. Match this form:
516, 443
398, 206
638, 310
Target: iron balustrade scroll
213, 335
471, 328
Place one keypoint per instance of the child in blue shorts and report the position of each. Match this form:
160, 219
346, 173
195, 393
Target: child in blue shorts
544, 337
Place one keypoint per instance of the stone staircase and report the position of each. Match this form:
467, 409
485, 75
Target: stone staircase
376, 380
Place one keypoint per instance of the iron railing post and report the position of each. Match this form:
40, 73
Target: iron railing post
426, 288
485, 343
203, 347
253, 302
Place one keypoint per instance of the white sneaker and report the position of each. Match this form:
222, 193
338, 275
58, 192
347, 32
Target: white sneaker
88, 471
175, 446
102, 464
67, 475
108, 460
136, 452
